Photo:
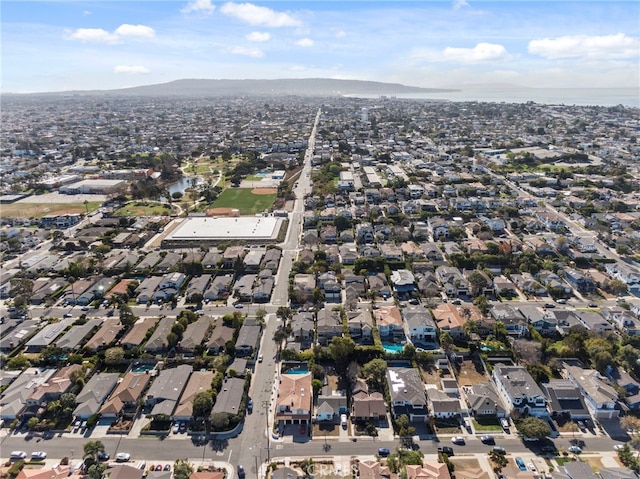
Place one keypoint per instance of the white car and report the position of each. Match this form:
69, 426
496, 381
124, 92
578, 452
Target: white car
38, 456
458, 440
575, 450
123, 457
618, 447
532, 468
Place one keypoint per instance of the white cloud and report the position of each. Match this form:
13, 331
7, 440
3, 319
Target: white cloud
255, 15
139, 31
248, 52
458, 4
86, 13
98, 35
198, 6
341, 34
92, 35
605, 46
131, 69
305, 42
258, 36
482, 52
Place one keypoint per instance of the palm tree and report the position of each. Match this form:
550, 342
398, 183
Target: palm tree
92, 448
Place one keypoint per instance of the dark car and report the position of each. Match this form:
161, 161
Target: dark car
446, 450
383, 451
102, 456
488, 440
241, 471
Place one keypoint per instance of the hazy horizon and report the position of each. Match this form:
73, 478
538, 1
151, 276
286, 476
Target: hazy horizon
104, 45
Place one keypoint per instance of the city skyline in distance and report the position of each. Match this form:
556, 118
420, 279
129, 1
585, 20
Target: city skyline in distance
93, 45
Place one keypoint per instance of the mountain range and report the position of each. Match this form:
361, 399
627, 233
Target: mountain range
284, 87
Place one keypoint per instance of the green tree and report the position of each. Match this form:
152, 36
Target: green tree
341, 351
316, 385
127, 318
182, 469
482, 303
95, 471
32, 423
91, 449
202, 404
477, 282
18, 362
114, 356
405, 430
533, 428
375, 372
617, 287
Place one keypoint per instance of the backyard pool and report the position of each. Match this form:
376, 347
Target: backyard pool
143, 368
297, 371
392, 348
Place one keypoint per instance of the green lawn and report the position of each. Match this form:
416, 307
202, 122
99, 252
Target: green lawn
142, 208
244, 200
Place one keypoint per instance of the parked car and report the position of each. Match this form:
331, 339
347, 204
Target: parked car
531, 467
260, 358
176, 428
459, 440
238, 306
343, 421
446, 450
488, 440
618, 447
123, 457
500, 450
17, 455
575, 449
383, 451
520, 463
167, 467
38, 456
250, 405
102, 456
241, 473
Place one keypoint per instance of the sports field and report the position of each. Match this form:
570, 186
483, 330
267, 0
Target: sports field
248, 201
38, 210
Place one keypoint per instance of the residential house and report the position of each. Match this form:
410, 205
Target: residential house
158, 342
367, 406
295, 399
365, 233
627, 274
430, 469
329, 325
126, 394
138, 332
194, 334
331, 404
519, 391
448, 318
370, 469
303, 327
169, 262
330, 286
391, 252
443, 405
220, 336
14, 398
230, 397
271, 259
231, 256
453, 281
248, 337
105, 336
420, 326
407, 394
262, 289
581, 282
378, 283
219, 288
243, 287
253, 259
147, 288
512, 319
93, 394
600, 397
404, 283
199, 381
484, 401
196, 288
594, 322
166, 389
52, 389
565, 399
360, 325
528, 284
389, 322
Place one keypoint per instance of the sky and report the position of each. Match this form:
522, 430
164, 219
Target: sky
60, 45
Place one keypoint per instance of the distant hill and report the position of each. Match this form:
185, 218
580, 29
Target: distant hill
296, 87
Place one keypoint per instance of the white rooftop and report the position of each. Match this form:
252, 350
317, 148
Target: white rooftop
222, 228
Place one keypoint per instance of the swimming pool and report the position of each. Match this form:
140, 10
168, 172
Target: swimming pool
143, 368
297, 371
392, 348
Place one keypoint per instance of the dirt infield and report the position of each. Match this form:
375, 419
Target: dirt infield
264, 191
222, 212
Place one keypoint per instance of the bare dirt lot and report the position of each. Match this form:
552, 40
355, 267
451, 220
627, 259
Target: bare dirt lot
471, 372
264, 191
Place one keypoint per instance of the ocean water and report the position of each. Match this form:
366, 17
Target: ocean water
629, 97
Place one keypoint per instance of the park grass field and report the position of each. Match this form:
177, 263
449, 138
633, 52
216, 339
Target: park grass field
245, 200
38, 210
142, 208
